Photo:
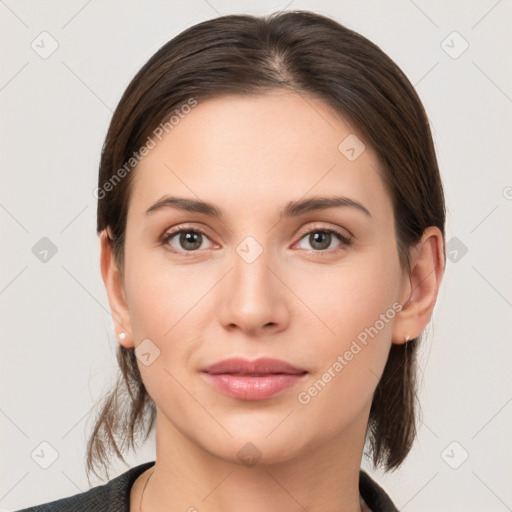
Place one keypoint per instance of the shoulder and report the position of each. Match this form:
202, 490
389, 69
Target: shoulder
374, 495
114, 496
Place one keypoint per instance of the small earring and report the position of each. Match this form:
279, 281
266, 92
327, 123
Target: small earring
407, 338
122, 335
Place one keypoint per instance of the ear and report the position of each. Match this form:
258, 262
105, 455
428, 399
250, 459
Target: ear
421, 287
114, 285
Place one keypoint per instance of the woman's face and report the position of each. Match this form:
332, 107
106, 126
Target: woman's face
260, 284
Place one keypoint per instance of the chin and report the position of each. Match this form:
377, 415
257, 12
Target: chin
256, 449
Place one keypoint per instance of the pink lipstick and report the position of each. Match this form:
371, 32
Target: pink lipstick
252, 380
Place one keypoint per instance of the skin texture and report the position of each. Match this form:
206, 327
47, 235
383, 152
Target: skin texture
298, 301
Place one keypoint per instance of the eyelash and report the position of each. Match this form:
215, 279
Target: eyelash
345, 241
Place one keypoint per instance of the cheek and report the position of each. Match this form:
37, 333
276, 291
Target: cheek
160, 296
167, 307
357, 306
162, 310
352, 297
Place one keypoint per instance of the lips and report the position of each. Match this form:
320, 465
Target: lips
262, 366
252, 380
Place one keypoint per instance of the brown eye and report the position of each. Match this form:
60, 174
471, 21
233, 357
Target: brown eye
187, 240
321, 239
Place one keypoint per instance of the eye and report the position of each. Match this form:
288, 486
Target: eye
321, 239
189, 240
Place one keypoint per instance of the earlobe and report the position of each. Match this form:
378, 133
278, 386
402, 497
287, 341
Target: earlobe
114, 286
427, 269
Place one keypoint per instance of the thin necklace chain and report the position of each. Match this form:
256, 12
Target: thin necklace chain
143, 489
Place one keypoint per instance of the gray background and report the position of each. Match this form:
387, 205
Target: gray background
56, 333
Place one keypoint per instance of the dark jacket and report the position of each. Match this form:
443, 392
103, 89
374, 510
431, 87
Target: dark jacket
114, 496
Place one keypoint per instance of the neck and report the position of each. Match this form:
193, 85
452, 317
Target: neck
323, 478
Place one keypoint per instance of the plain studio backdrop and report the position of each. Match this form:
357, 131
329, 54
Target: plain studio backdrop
65, 66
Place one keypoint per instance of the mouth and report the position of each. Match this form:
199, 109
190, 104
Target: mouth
252, 380
256, 368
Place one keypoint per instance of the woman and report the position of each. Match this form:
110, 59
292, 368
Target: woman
271, 219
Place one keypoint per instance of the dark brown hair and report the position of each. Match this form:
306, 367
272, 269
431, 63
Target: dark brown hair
314, 56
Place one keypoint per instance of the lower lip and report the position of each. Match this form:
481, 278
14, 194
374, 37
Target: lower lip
253, 388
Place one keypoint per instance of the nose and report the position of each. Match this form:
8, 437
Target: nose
253, 297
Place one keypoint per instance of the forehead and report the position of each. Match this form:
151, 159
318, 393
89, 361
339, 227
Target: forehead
259, 149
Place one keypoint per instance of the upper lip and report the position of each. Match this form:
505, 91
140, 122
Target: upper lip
263, 365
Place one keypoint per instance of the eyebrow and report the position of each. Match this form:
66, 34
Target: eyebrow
291, 209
